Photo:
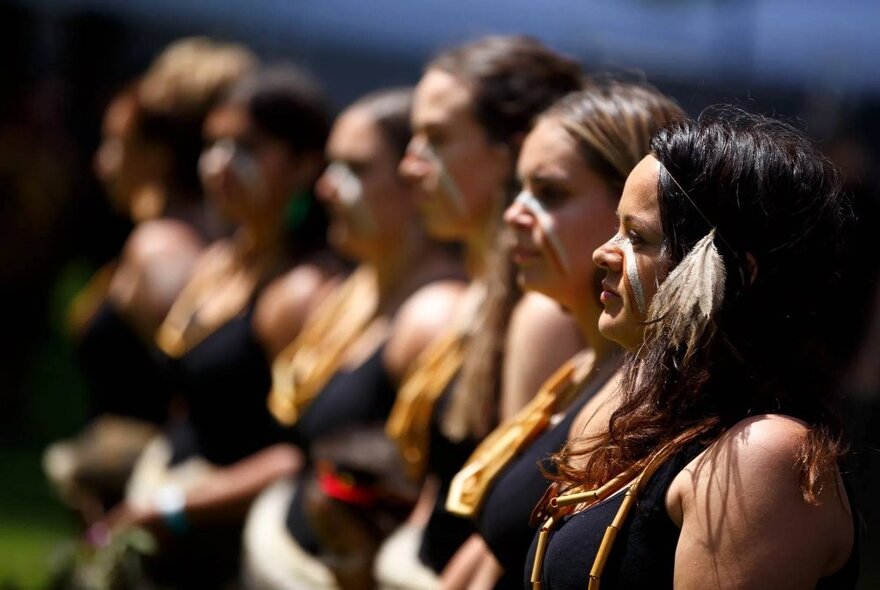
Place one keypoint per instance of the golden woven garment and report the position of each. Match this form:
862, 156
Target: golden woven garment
409, 423
469, 486
304, 367
183, 329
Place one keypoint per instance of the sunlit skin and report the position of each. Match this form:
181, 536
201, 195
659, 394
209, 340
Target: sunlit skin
366, 230
639, 222
581, 210
443, 117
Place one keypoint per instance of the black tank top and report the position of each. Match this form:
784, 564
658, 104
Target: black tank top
504, 519
225, 380
445, 532
362, 396
121, 370
643, 556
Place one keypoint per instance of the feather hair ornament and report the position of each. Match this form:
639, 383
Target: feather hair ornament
684, 304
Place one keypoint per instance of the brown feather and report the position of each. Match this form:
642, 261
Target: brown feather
685, 302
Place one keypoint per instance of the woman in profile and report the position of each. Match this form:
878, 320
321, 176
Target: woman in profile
334, 384
471, 111
719, 468
573, 165
148, 163
263, 156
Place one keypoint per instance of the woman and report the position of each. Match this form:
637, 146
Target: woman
723, 438
572, 166
264, 153
148, 163
471, 110
334, 385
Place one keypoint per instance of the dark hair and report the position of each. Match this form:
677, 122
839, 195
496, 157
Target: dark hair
175, 95
287, 104
514, 78
776, 200
390, 109
613, 122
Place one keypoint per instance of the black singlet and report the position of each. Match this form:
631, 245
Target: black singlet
445, 532
362, 396
121, 370
225, 380
503, 521
643, 556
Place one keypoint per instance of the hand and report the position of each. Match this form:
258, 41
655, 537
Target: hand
120, 518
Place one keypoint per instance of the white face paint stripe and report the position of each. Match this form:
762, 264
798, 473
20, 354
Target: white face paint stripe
351, 194
227, 152
450, 187
632, 272
557, 249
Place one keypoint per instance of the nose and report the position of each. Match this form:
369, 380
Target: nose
518, 216
608, 256
107, 159
414, 166
325, 189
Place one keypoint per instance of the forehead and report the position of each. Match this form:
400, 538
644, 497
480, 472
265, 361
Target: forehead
549, 150
639, 197
440, 98
355, 136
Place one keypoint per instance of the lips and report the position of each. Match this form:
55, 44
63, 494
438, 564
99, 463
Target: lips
609, 294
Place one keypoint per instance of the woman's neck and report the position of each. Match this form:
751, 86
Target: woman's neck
478, 246
398, 269
588, 323
256, 243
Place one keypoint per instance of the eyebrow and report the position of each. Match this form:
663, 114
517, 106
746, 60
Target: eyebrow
635, 221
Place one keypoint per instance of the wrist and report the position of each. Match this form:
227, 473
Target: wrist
169, 502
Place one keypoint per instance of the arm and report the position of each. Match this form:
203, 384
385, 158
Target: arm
529, 358
225, 494
473, 567
744, 522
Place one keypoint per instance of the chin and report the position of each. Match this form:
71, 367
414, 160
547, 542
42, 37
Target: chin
609, 328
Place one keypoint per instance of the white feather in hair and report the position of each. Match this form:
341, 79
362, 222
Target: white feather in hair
685, 302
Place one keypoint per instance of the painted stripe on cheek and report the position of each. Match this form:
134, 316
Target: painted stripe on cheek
351, 194
632, 274
545, 221
450, 187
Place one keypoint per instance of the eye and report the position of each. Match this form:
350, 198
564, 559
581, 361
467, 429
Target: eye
634, 238
550, 195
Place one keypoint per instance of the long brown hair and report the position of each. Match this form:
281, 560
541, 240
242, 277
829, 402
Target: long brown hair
513, 79
777, 205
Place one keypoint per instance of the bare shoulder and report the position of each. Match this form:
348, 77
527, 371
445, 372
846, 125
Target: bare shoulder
286, 302
760, 448
541, 336
160, 237
421, 319
156, 263
743, 515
